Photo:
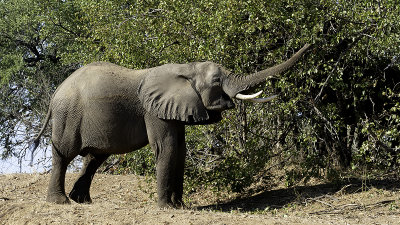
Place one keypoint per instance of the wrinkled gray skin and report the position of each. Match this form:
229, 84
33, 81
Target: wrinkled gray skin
104, 109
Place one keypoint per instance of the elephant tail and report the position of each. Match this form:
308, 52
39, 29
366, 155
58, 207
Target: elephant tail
36, 141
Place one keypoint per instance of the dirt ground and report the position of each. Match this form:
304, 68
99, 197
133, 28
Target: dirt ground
129, 199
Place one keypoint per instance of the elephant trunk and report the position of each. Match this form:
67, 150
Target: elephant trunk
237, 83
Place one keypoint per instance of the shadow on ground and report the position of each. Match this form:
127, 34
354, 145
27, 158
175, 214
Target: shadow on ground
280, 198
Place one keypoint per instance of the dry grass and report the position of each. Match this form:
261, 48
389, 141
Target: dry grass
130, 199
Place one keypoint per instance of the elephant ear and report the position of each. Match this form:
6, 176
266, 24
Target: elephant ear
167, 93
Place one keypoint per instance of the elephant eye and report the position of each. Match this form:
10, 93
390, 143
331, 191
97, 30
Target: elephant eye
216, 80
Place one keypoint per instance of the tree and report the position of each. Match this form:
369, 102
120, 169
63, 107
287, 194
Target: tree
29, 70
337, 109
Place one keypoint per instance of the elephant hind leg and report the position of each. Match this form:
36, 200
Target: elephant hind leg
80, 192
56, 190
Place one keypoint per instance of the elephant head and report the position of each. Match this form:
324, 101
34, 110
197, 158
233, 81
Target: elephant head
197, 93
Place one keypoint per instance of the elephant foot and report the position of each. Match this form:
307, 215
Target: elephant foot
179, 205
177, 201
58, 198
165, 205
80, 197
171, 205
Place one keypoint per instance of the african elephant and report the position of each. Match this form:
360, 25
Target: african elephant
103, 109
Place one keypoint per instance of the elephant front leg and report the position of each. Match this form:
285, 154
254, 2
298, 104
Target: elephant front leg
170, 170
167, 139
177, 190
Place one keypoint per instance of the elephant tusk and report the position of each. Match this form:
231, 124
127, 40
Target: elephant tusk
247, 97
263, 100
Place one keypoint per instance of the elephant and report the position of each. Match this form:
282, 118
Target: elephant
103, 109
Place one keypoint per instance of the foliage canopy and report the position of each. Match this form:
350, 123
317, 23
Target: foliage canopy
338, 108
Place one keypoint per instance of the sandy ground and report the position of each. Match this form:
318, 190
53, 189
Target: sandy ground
129, 199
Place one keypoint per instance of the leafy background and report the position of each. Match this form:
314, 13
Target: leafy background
337, 111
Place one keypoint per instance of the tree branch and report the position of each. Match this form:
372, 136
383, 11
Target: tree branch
360, 35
